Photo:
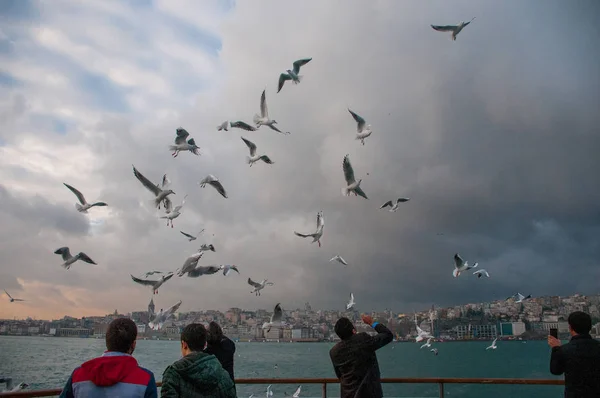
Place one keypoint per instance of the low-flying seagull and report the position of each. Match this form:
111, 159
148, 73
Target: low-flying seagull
191, 237
154, 284
223, 126
243, 125
19, 387
182, 145
292, 74
461, 265
339, 259
362, 129
204, 247
163, 316
421, 334
68, 259
258, 286
269, 392
434, 350
318, 233
253, 156
297, 393
394, 205
84, 206
351, 184
519, 297
276, 319
161, 195
493, 346
351, 302
481, 273
200, 270
427, 344
263, 119
227, 269
190, 263
12, 300
455, 29
174, 213
215, 183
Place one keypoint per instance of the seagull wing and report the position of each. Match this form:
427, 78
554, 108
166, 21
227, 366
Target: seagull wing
276, 129
282, 78
361, 122
360, 192
299, 63
145, 282
251, 145
219, 187
182, 136
266, 159
188, 235
64, 252
243, 125
264, 111
84, 257
444, 28
277, 314
7, 293
165, 181
297, 393
458, 261
348, 171
302, 235
173, 308
386, 204
254, 284
146, 182
179, 207
79, 195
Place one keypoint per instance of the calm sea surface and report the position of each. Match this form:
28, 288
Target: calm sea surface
48, 362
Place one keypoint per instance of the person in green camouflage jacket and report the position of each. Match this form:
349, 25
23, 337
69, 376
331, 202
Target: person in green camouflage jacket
197, 374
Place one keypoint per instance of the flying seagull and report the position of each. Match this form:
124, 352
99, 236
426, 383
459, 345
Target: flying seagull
297, 393
227, 269
258, 286
215, 183
461, 265
161, 195
191, 237
276, 319
318, 233
69, 259
427, 344
182, 145
493, 346
339, 259
149, 273
223, 126
173, 214
200, 270
204, 247
455, 29
421, 334
434, 350
351, 303
12, 300
293, 74
163, 316
19, 387
243, 125
519, 297
394, 205
253, 156
154, 285
190, 263
351, 184
362, 129
269, 392
481, 273
84, 206
263, 119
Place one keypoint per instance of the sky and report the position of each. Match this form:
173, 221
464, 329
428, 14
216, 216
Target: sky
494, 137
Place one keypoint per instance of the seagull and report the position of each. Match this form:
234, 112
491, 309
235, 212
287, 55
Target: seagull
153, 284
204, 270
421, 334
519, 297
276, 319
455, 29
147, 274
12, 300
339, 259
351, 303
352, 184
215, 183
362, 129
182, 145
263, 119
20, 386
481, 272
269, 392
69, 259
394, 206
84, 206
204, 247
243, 125
253, 156
161, 195
223, 126
428, 344
297, 393
191, 237
176, 212
258, 286
292, 74
493, 346
461, 265
163, 316
227, 269
434, 350
190, 263
318, 233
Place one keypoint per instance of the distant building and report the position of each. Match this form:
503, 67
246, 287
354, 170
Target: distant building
512, 328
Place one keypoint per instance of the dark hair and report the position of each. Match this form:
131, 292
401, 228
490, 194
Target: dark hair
120, 335
580, 322
343, 328
194, 335
215, 333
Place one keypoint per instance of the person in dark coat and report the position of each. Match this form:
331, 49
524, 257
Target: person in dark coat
221, 347
579, 359
354, 360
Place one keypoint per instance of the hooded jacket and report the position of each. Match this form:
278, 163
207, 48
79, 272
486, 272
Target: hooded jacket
114, 374
197, 375
224, 350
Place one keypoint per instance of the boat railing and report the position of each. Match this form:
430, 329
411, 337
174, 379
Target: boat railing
440, 381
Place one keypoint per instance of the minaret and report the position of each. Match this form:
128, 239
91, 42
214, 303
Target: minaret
151, 306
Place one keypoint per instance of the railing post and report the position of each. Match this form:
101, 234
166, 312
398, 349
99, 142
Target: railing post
441, 387
324, 390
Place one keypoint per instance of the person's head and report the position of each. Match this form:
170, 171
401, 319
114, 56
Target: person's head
121, 336
344, 328
193, 338
215, 333
579, 323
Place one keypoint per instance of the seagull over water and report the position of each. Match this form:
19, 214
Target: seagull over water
427, 344
215, 183
191, 237
394, 205
339, 259
493, 346
352, 186
292, 74
253, 158
455, 29
434, 350
243, 125
263, 119
258, 286
318, 233
362, 129
351, 302
269, 392
84, 206
190, 263
154, 284
161, 195
228, 268
481, 273
12, 300
276, 319
163, 316
182, 145
461, 265
297, 393
68, 259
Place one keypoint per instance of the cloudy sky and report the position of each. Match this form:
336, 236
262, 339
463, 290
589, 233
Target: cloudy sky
494, 138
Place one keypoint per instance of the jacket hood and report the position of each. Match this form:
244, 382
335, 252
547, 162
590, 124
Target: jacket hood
110, 369
200, 369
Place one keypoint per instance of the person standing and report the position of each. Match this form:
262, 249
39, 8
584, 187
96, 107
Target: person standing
354, 359
221, 346
116, 373
579, 359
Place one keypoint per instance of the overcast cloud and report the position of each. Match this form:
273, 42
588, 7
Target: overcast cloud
494, 138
